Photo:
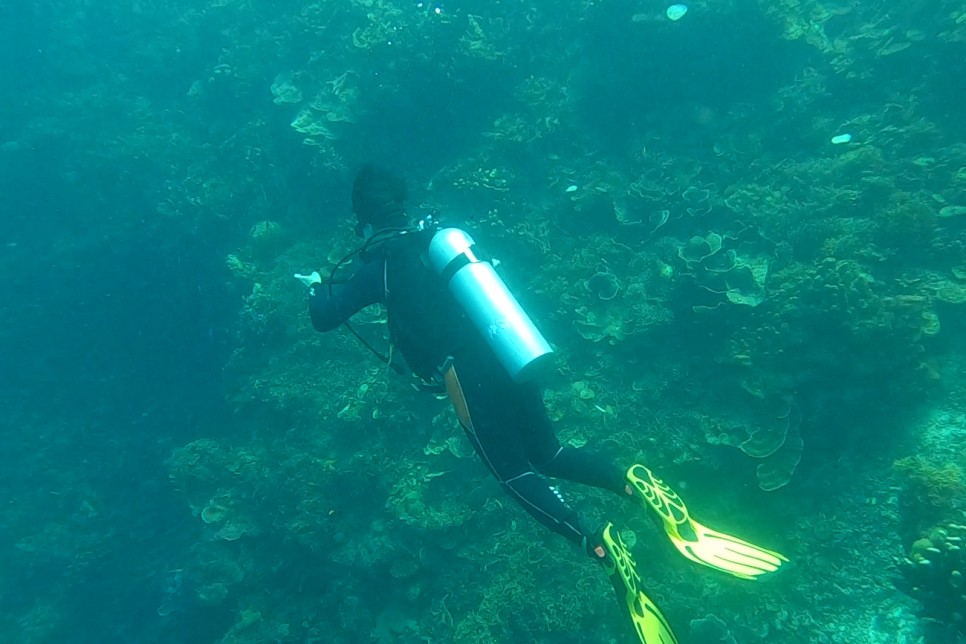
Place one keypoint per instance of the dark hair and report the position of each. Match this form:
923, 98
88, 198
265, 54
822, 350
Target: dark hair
378, 197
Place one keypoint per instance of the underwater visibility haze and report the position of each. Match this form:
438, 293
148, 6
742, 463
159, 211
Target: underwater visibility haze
740, 225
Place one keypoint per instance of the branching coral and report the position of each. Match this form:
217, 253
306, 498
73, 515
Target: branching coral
476, 42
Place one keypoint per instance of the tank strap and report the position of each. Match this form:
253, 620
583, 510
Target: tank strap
471, 255
456, 264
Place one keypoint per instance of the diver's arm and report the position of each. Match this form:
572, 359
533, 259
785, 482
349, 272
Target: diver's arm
331, 305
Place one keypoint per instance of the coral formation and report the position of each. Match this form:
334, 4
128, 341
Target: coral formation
733, 297
933, 574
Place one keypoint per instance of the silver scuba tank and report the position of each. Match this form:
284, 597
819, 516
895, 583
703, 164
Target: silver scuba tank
495, 312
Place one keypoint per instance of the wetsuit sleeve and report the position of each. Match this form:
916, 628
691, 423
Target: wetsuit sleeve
331, 307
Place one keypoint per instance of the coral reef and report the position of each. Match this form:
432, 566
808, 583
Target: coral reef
752, 280
930, 492
933, 574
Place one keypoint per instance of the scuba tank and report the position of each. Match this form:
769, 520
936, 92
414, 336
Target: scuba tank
509, 331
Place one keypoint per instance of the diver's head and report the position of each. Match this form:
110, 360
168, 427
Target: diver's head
378, 200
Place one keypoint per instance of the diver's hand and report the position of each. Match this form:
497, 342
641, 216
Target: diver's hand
309, 280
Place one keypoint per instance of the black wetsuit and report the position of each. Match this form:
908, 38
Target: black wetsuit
506, 421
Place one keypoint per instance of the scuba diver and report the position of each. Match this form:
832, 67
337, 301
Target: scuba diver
456, 325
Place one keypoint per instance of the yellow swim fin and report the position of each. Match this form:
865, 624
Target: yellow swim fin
695, 541
648, 622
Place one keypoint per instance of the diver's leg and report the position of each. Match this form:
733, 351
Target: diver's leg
583, 466
490, 417
552, 459
494, 419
